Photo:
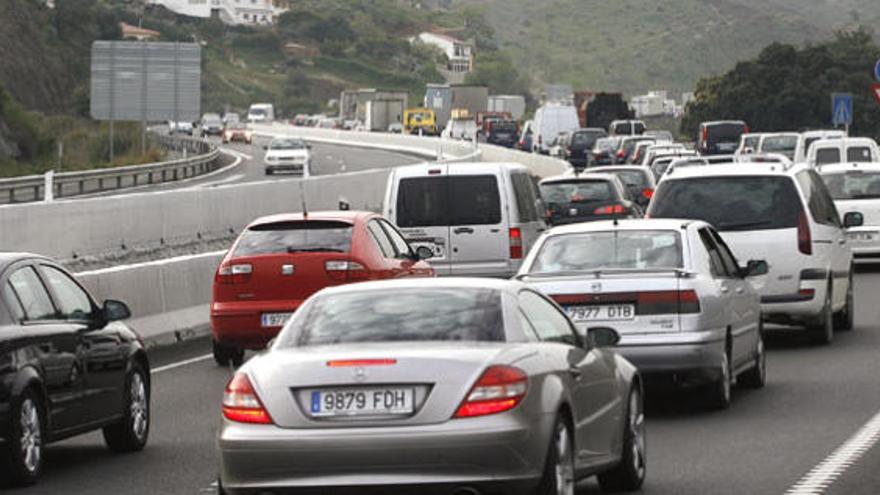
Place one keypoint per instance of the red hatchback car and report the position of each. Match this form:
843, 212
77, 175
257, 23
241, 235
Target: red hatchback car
281, 260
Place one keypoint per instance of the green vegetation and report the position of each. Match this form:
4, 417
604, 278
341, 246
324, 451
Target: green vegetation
638, 45
786, 88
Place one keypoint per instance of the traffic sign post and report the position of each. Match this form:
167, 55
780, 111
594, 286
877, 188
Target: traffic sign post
877, 70
842, 110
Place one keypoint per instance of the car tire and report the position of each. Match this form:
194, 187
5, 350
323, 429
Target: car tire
629, 474
717, 393
21, 459
268, 171
756, 376
822, 329
558, 477
131, 433
845, 318
224, 355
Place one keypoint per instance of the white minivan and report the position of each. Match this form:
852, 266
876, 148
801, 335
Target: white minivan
781, 214
261, 113
478, 219
550, 120
843, 150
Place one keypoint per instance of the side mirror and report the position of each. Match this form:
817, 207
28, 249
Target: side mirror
853, 219
424, 253
271, 343
602, 337
755, 268
115, 310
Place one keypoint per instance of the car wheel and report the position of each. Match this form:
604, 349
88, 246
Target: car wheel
268, 171
130, 434
22, 457
822, 330
558, 477
718, 392
756, 377
845, 319
630, 473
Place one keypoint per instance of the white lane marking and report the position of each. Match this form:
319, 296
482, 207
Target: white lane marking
165, 261
179, 364
231, 178
826, 472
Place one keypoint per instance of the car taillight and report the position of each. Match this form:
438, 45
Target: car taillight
353, 363
647, 193
516, 246
241, 404
499, 389
807, 294
668, 302
805, 238
621, 154
610, 210
705, 137
343, 270
234, 273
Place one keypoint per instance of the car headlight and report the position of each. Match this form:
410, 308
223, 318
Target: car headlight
271, 158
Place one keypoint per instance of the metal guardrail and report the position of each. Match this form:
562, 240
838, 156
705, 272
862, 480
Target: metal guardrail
204, 159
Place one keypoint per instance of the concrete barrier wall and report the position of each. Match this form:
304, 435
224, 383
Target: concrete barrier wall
169, 298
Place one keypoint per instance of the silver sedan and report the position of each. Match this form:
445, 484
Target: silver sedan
455, 386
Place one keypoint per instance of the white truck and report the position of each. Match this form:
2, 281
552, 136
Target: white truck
260, 113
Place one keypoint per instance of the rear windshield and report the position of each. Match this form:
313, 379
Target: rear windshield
507, 126
287, 144
827, 155
858, 154
439, 201
730, 203
257, 111
632, 179
563, 193
403, 314
855, 184
725, 132
780, 144
628, 249
585, 139
605, 144
295, 237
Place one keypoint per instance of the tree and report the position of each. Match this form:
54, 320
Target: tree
789, 88
495, 69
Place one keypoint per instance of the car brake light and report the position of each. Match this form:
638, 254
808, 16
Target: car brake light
648, 193
621, 154
516, 246
705, 137
351, 363
234, 273
610, 210
668, 302
805, 238
499, 389
342, 270
807, 293
241, 404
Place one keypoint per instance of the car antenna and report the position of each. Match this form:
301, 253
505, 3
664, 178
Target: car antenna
302, 195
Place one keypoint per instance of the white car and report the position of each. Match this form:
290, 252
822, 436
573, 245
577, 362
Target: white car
288, 155
855, 188
843, 150
680, 300
180, 128
782, 214
789, 144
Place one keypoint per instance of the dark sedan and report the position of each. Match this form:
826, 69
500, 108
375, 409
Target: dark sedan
574, 199
67, 367
579, 151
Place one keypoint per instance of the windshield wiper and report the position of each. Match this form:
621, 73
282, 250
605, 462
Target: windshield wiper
743, 225
313, 250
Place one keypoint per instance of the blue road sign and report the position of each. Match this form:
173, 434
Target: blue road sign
841, 109
877, 70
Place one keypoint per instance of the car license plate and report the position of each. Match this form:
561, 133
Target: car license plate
275, 319
863, 236
614, 312
362, 402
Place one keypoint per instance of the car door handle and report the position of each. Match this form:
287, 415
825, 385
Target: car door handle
463, 230
724, 289
575, 372
740, 290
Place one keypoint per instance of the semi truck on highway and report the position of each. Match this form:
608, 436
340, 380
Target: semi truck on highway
600, 109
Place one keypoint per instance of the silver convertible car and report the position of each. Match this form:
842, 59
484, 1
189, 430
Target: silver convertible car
455, 386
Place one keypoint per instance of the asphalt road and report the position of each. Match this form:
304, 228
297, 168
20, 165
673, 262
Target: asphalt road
815, 399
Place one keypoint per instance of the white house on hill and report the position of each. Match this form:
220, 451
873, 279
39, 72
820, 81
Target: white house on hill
261, 12
459, 54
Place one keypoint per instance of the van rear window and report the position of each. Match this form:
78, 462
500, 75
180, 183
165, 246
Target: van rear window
827, 155
440, 201
310, 236
730, 203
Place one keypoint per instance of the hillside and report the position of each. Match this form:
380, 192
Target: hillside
638, 45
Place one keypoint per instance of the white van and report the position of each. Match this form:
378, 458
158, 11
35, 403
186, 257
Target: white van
811, 137
479, 219
843, 150
260, 113
550, 120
